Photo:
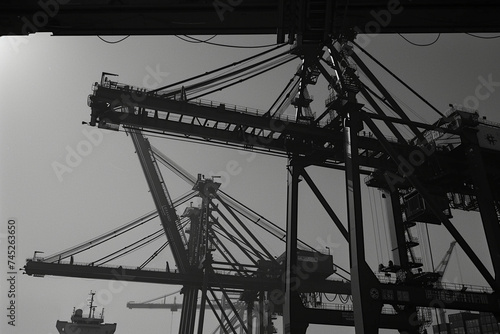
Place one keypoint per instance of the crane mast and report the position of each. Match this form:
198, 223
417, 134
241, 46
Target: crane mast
330, 139
422, 177
161, 197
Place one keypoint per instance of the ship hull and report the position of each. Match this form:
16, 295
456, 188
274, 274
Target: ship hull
65, 327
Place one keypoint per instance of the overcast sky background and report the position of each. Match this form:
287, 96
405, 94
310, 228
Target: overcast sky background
45, 82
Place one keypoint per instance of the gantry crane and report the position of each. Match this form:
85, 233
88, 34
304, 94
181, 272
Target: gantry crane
329, 143
420, 177
161, 303
440, 270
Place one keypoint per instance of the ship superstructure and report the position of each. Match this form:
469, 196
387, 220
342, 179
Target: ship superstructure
86, 325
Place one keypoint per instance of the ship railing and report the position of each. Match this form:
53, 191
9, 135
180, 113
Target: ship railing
206, 103
91, 264
391, 279
464, 287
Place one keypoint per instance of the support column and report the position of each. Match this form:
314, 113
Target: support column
400, 255
261, 315
223, 302
363, 282
188, 310
206, 263
250, 317
487, 209
396, 227
292, 304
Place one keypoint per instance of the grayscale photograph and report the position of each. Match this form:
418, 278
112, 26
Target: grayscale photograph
249, 167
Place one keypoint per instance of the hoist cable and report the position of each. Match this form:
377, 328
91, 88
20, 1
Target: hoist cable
399, 80
102, 238
129, 248
245, 79
330, 300
196, 40
217, 70
416, 44
234, 78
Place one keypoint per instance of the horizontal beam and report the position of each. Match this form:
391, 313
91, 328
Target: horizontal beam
156, 17
313, 315
212, 121
392, 294
169, 306
39, 268
346, 318
214, 111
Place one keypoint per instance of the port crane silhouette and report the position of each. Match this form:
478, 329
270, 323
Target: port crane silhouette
421, 177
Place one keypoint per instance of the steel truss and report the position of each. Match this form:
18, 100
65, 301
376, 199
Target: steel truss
335, 139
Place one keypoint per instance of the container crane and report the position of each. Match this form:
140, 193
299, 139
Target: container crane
324, 141
440, 270
331, 139
328, 140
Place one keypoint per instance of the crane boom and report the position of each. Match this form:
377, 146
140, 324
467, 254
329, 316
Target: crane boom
441, 267
161, 197
440, 270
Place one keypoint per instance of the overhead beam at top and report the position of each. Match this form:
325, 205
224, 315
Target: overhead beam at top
229, 17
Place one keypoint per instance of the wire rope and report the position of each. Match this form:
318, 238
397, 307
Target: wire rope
342, 300
373, 226
129, 248
254, 72
233, 73
378, 227
416, 44
384, 223
330, 300
103, 237
399, 80
458, 265
136, 245
429, 243
113, 42
154, 255
482, 37
251, 76
218, 69
196, 40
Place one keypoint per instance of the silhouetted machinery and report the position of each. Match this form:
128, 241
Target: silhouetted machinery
450, 164
315, 265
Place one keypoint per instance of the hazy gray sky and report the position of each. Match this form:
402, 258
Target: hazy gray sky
45, 82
